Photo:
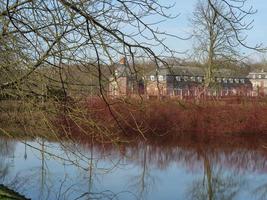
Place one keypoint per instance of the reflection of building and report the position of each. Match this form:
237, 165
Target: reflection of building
259, 82
124, 82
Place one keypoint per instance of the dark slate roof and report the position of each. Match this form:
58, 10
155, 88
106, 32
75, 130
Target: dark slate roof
191, 71
256, 74
179, 70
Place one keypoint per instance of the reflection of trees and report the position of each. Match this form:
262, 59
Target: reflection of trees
261, 192
144, 181
216, 184
50, 185
7, 149
234, 154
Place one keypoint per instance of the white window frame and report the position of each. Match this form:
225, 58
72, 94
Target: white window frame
178, 78
192, 78
200, 79
161, 78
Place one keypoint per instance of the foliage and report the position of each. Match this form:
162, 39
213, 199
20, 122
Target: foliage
169, 118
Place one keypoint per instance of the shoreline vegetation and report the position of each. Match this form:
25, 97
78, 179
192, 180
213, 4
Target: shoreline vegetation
147, 119
124, 120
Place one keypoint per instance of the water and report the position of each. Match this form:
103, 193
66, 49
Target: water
233, 168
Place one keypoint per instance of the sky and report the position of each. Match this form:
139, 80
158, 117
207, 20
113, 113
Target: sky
181, 26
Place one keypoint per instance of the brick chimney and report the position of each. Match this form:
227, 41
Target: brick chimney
123, 61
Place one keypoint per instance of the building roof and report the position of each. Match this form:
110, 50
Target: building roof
192, 71
258, 74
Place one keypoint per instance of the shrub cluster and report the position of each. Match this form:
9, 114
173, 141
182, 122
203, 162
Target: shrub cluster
167, 118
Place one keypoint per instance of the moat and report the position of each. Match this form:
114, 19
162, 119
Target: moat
190, 168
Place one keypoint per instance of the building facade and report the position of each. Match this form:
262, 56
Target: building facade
185, 81
259, 82
125, 83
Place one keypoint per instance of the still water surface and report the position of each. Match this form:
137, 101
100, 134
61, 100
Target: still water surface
223, 169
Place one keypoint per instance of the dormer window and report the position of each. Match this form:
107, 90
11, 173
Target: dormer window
161, 78
152, 78
242, 80
193, 78
199, 79
225, 80
219, 80
185, 78
231, 80
116, 73
236, 80
178, 78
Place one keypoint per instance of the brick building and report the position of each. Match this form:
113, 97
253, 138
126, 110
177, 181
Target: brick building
124, 82
189, 81
181, 81
259, 82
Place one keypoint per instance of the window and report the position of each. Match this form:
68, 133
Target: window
256, 84
242, 80
254, 76
152, 78
260, 76
178, 78
161, 78
199, 79
219, 80
225, 80
116, 73
185, 78
236, 80
231, 80
193, 78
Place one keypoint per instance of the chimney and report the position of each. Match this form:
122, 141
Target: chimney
123, 61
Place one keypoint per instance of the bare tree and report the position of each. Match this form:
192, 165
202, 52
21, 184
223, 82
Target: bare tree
96, 33
220, 29
61, 47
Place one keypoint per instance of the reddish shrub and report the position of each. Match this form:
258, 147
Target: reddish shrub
171, 117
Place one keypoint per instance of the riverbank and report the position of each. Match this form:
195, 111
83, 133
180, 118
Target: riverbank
131, 118
172, 118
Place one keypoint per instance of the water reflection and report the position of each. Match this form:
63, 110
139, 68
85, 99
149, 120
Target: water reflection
7, 149
215, 184
188, 168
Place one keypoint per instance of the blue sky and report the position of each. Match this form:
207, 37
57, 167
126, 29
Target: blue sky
180, 26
